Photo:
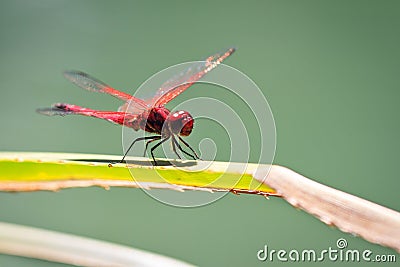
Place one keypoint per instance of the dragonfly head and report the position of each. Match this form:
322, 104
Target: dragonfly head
180, 122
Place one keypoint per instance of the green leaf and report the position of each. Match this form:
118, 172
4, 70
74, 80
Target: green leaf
53, 171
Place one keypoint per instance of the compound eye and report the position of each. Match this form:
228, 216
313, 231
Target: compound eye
181, 122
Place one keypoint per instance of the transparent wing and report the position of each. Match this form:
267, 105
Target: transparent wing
92, 84
178, 84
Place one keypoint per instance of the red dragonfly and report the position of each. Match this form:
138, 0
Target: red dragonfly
149, 115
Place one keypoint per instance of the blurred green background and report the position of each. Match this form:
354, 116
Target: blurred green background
329, 69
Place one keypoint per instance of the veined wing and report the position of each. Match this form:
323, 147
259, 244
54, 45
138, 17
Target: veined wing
90, 83
178, 84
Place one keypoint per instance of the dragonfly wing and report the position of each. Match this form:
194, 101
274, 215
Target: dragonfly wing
178, 84
131, 106
90, 83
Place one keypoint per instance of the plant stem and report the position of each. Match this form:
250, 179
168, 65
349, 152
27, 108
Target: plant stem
349, 213
58, 247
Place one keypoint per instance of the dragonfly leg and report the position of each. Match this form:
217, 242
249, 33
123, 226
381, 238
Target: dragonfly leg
158, 137
174, 142
174, 147
154, 147
134, 141
186, 144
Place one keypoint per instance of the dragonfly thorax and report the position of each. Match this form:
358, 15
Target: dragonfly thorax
161, 121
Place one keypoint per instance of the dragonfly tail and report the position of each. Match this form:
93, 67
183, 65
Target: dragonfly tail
61, 109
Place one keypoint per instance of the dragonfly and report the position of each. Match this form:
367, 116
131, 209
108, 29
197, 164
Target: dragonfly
149, 115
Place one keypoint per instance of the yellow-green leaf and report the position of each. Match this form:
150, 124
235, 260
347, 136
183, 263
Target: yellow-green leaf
54, 171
